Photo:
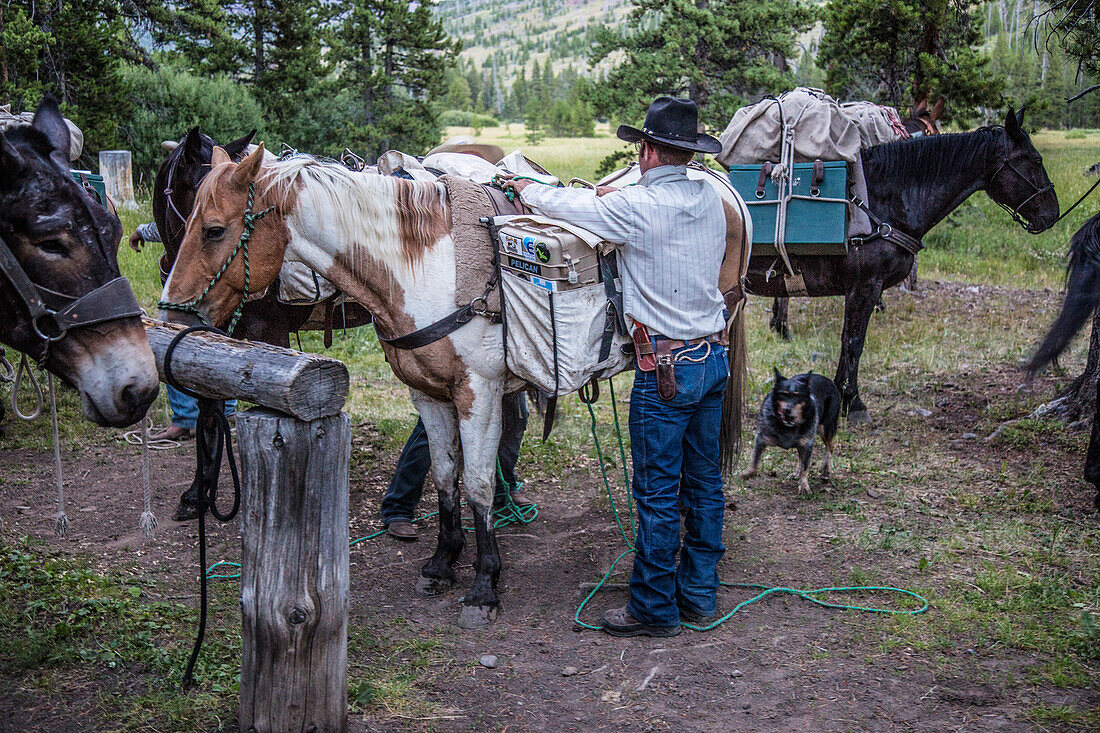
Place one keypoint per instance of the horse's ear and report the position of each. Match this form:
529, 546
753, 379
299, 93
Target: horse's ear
48, 121
192, 145
219, 156
244, 173
778, 376
919, 107
1012, 124
236, 147
1020, 118
937, 109
11, 162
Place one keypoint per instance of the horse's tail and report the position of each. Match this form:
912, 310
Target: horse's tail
1082, 294
729, 436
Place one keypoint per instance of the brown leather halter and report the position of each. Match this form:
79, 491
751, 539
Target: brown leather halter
53, 314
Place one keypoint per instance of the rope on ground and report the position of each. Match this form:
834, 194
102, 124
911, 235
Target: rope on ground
507, 514
766, 590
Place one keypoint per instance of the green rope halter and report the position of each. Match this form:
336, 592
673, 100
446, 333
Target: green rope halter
250, 220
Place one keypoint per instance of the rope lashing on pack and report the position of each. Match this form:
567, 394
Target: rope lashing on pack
509, 513
192, 306
207, 468
810, 595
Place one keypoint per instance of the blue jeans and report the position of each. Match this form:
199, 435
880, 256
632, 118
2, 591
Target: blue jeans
407, 485
185, 410
674, 445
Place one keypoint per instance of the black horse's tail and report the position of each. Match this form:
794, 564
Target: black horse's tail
729, 436
1082, 294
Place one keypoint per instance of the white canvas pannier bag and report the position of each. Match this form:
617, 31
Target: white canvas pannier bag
561, 300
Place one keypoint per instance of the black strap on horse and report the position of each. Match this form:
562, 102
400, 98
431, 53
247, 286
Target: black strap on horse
52, 313
455, 320
883, 230
212, 441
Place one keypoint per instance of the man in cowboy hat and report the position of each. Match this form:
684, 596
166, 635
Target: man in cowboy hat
672, 230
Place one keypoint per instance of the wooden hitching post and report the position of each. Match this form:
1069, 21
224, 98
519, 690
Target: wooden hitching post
294, 572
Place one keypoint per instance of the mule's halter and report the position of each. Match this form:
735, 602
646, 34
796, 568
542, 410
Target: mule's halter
53, 314
191, 306
1014, 211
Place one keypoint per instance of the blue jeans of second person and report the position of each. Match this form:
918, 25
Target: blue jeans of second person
407, 485
674, 445
185, 410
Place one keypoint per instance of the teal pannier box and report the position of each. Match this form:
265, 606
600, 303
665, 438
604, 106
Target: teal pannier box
809, 221
96, 182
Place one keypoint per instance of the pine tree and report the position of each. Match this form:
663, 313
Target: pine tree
864, 60
395, 60
720, 54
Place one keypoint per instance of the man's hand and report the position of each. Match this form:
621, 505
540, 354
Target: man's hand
604, 190
136, 242
515, 185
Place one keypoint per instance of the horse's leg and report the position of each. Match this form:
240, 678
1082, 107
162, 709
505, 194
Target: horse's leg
480, 431
858, 306
911, 279
1092, 457
780, 313
441, 424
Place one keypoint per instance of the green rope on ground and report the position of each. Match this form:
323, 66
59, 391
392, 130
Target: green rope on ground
809, 595
507, 514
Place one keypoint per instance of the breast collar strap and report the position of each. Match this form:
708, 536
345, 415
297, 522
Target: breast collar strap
53, 314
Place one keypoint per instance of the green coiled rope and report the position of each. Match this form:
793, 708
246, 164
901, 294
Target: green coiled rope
809, 595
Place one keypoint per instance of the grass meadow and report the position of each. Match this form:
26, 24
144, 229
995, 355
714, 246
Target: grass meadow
980, 531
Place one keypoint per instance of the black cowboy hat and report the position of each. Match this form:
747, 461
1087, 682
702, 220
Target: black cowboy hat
672, 122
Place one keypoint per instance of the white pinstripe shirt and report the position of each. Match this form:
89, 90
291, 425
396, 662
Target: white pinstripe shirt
673, 235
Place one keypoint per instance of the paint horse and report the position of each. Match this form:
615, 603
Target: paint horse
912, 185
264, 318
62, 299
385, 242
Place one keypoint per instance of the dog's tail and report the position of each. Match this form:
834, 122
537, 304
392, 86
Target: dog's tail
729, 436
1082, 294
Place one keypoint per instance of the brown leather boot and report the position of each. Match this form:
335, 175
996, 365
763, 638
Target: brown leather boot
402, 530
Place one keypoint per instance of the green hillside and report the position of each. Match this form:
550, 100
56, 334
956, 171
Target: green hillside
510, 33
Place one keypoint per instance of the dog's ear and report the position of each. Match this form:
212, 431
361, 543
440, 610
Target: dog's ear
778, 376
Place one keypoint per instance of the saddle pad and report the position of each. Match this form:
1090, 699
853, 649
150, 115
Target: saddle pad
474, 247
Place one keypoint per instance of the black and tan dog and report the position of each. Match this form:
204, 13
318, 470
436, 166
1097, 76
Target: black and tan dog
794, 412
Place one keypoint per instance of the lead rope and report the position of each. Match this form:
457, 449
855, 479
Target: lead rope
25, 370
61, 523
148, 522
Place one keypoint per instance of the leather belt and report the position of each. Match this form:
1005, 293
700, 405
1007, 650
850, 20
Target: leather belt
646, 347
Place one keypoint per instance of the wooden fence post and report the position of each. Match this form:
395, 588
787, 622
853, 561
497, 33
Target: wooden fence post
294, 572
114, 166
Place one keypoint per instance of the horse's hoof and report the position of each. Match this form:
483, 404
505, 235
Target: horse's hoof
859, 417
185, 512
477, 617
430, 587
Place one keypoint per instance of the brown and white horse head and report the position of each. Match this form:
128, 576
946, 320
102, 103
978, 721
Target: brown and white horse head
222, 260
66, 242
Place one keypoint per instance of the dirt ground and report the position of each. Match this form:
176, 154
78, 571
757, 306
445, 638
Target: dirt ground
779, 665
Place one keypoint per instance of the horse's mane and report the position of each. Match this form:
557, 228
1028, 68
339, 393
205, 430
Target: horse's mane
393, 220
934, 157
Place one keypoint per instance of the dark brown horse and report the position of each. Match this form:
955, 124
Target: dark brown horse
264, 319
62, 300
923, 120
913, 185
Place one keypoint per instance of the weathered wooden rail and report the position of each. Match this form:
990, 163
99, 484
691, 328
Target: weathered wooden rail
295, 454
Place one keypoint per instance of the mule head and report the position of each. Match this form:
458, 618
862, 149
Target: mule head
66, 242
230, 251
1018, 181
